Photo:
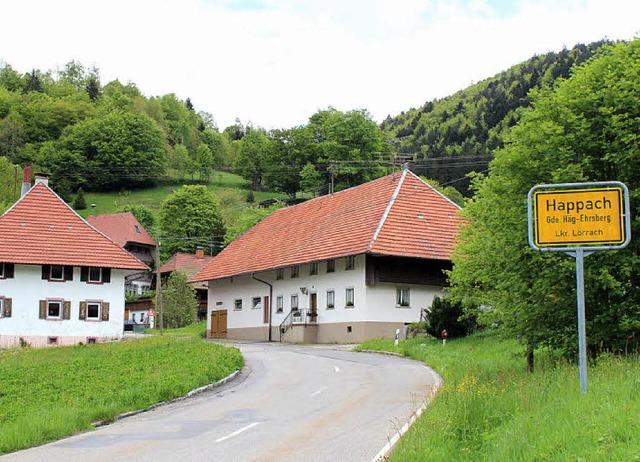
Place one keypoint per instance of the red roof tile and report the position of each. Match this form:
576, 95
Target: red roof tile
397, 215
121, 227
42, 229
187, 262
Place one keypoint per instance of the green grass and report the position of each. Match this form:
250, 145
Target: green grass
196, 330
491, 409
46, 394
152, 198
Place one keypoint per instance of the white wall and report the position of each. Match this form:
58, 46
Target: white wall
376, 303
27, 288
381, 302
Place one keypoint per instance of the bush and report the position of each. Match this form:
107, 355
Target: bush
80, 203
450, 314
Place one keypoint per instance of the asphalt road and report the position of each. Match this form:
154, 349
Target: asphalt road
290, 403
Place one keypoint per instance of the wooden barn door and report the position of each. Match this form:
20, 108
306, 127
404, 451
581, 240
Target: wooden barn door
218, 324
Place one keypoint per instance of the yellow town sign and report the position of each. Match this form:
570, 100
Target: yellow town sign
577, 217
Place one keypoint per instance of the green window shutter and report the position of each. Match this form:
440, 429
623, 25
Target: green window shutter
83, 310
43, 309
106, 275
45, 271
68, 273
105, 311
84, 273
66, 309
7, 307
8, 270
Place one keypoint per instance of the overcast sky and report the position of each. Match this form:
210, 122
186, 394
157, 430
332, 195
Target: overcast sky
274, 63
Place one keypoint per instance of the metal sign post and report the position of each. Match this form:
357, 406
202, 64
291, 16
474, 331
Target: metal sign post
578, 219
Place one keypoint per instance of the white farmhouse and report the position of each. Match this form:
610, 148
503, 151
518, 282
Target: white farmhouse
61, 280
345, 267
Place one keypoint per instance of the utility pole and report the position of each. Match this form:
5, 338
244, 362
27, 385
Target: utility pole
158, 285
333, 171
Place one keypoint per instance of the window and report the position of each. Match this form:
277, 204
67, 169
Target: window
93, 311
331, 299
255, 303
54, 309
331, 265
402, 296
349, 298
280, 273
238, 304
350, 263
137, 229
91, 340
313, 268
6, 270
294, 302
95, 275
295, 271
52, 340
279, 303
56, 273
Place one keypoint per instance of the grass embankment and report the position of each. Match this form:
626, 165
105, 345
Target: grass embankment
152, 198
196, 330
491, 409
46, 394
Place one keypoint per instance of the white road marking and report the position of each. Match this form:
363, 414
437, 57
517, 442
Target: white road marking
237, 432
336, 368
317, 392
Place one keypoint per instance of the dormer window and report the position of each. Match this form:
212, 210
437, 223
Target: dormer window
138, 229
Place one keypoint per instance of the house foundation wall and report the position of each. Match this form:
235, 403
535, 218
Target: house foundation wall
38, 341
344, 332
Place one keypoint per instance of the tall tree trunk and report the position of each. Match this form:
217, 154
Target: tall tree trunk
529, 357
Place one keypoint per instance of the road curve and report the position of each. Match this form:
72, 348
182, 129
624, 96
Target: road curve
290, 403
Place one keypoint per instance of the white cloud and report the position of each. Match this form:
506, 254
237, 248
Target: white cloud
276, 62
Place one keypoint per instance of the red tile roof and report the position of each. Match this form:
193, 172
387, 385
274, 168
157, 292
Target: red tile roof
397, 215
41, 229
187, 262
122, 228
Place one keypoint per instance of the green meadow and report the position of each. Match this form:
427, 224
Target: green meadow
152, 198
491, 409
47, 394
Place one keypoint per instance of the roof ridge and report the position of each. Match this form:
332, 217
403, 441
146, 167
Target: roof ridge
436, 191
387, 210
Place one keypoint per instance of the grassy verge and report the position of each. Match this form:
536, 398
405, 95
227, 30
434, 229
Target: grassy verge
197, 330
490, 408
46, 394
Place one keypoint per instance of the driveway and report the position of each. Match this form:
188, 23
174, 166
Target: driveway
290, 403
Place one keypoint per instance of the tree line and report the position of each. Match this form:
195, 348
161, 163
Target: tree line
451, 137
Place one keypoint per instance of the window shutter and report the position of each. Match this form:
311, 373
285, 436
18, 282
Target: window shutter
84, 272
7, 307
66, 309
106, 275
43, 309
68, 273
8, 270
105, 311
83, 310
45, 271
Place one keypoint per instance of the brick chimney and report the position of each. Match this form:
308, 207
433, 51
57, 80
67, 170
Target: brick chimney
199, 253
26, 180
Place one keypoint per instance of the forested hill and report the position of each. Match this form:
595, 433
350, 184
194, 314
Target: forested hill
456, 135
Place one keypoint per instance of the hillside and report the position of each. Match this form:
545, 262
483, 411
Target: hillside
453, 136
